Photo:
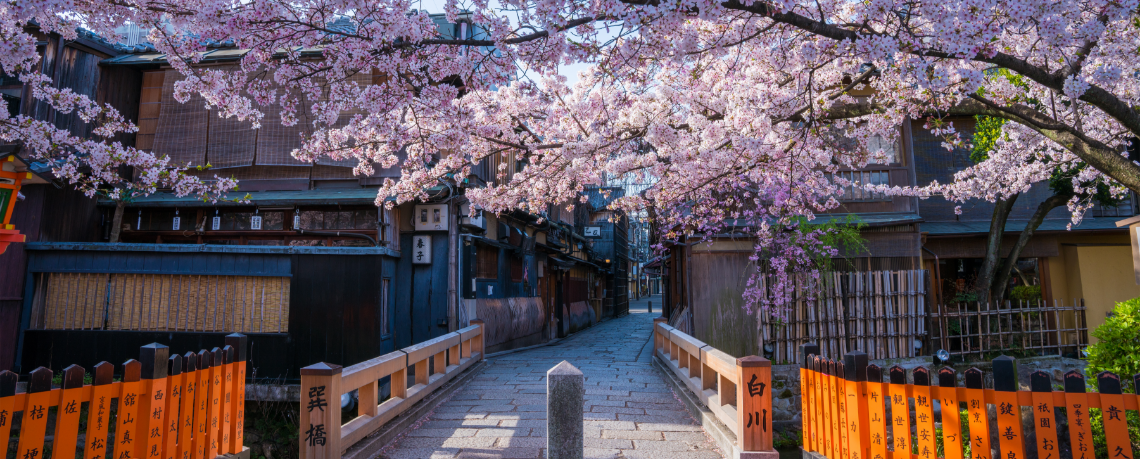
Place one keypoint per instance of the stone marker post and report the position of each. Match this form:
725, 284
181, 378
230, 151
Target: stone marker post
565, 395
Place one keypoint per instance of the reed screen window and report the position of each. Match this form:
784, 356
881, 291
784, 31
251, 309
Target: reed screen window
160, 302
486, 262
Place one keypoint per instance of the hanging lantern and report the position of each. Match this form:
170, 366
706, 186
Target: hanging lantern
9, 194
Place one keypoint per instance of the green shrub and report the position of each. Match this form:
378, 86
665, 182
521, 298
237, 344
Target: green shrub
1119, 344
1117, 352
1027, 293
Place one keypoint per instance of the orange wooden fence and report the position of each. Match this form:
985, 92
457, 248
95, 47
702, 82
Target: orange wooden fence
164, 407
845, 411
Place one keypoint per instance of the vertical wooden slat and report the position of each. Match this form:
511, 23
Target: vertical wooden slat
213, 430
33, 425
173, 403
900, 411
99, 411
227, 399
858, 419
877, 416
240, 344
951, 420
834, 414
844, 423
1044, 425
822, 437
1113, 414
8, 381
202, 402
806, 392
152, 403
127, 416
1077, 408
979, 419
923, 414
67, 415
188, 406
827, 421
1010, 437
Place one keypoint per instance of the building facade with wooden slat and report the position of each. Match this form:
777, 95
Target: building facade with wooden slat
308, 267
918, 265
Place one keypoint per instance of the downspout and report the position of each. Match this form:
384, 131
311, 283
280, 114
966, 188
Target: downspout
452, 266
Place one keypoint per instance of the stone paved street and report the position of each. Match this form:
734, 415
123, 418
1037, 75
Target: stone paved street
630, 411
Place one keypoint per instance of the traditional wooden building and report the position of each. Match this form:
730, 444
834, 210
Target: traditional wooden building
307, 266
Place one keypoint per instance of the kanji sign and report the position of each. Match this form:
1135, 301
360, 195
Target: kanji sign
421, 249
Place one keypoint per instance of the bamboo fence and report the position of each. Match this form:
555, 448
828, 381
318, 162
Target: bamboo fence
883, 312
974, 330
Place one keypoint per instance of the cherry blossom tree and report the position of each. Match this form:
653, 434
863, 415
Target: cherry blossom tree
737, 109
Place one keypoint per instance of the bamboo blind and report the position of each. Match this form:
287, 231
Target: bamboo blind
231, 142
362, 79
275, 141
74, 300
882, 313
150, 105
182, 127
100, 301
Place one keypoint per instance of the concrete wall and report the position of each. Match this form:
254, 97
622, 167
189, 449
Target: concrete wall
1097, 268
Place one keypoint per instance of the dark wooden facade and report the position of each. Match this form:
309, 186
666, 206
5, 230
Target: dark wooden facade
334, 312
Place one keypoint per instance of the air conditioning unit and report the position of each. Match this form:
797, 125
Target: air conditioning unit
430, 217
470, 215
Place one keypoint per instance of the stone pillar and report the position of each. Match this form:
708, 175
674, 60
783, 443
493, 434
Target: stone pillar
565, 395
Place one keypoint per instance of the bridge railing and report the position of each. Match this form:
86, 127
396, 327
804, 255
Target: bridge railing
736, 390
850, 413
323, 433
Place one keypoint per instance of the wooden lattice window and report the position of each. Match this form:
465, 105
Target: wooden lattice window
516, 269
486, 262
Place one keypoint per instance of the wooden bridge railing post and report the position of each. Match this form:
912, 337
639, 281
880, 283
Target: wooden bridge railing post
320, 411
754, 407
478, 341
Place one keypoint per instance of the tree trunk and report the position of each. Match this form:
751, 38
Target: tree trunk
117, 221
993, 248
997, 290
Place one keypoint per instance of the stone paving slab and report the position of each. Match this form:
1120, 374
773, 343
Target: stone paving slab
630, 412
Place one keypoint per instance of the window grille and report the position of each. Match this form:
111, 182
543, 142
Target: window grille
486, 262
854, 192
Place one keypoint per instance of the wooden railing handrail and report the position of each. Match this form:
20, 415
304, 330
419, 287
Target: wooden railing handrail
736, 391
434, 363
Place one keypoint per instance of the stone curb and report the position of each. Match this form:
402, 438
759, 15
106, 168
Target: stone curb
370, 446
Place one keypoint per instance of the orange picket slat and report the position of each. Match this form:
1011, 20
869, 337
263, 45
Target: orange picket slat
67, 415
